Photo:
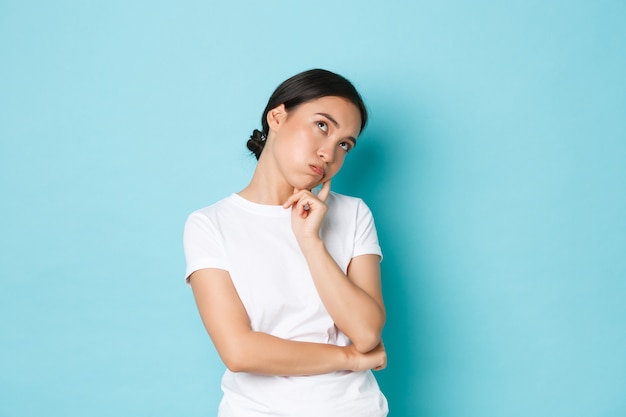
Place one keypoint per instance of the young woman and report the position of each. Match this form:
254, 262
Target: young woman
287, 281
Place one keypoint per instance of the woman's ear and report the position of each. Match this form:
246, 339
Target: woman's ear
276, 117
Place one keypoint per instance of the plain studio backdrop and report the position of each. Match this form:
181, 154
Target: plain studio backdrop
494, 163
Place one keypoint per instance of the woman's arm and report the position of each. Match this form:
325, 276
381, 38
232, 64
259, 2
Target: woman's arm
244, 350
354, 300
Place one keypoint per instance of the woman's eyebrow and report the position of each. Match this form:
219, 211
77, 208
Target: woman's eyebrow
329, 117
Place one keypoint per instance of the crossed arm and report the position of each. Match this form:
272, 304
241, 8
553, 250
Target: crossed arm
245, 350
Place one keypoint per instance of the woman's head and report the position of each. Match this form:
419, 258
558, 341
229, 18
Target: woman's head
302, 88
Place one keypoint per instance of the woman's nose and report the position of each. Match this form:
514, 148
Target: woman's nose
327, 154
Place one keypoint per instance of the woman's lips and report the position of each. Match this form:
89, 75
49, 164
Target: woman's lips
318, 170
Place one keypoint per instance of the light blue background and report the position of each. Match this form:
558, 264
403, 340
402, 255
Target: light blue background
494, 164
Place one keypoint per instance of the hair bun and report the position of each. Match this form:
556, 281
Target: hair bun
256, 143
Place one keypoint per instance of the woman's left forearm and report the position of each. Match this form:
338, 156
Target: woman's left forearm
353, 300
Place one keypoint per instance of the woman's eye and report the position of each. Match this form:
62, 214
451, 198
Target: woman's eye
345, 146
323, 126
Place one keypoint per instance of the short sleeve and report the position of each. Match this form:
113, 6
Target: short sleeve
203, 245
366, 238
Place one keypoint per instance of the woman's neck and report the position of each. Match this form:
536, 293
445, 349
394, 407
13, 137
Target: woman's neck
267, 186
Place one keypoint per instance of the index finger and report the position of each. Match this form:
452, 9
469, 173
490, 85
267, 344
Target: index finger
324, 192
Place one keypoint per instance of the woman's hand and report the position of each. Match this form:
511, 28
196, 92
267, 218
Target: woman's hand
375, 359
307, 212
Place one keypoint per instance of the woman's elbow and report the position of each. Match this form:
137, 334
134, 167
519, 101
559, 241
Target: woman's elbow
367, 338
235, 359
234, 365
366, 342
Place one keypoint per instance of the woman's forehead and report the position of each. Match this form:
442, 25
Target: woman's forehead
341, 110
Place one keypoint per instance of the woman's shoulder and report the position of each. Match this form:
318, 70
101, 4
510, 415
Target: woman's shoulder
214, 208
343, 200
346, 205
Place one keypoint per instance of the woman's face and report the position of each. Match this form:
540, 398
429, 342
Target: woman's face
309, 142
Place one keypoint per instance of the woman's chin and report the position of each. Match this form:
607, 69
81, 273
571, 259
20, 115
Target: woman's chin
307, 185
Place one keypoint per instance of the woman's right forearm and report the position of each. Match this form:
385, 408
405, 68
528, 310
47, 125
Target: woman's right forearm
261, 353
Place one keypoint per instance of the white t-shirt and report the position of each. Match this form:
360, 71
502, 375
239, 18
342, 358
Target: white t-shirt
256, 245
